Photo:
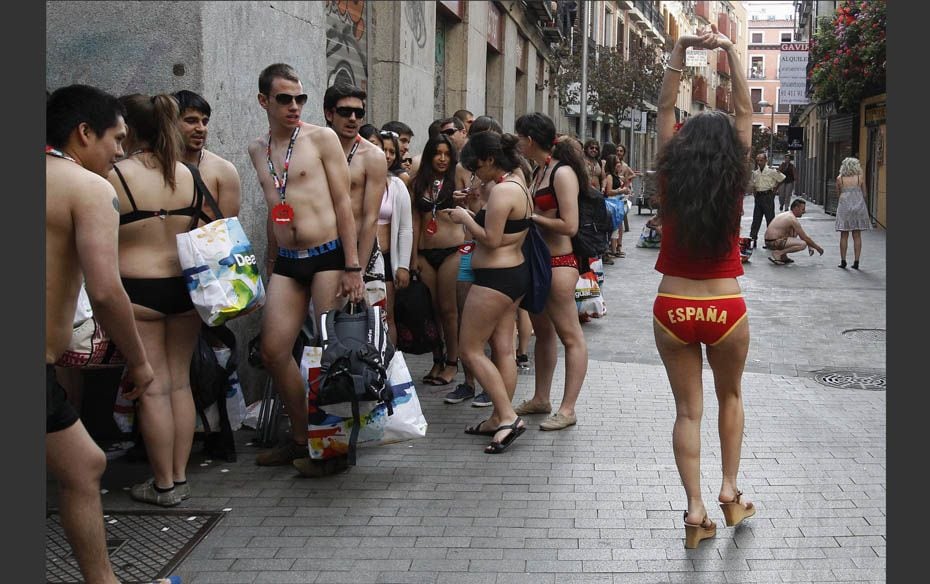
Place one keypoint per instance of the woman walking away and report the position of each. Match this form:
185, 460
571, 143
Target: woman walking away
148, 181
851, 212
703, 170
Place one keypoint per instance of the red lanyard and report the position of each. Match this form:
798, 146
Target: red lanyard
542, 175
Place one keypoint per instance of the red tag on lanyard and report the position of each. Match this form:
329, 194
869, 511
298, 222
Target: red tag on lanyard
282, 213
432, 227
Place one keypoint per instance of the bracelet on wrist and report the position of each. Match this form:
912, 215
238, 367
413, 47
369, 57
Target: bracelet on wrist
352, 269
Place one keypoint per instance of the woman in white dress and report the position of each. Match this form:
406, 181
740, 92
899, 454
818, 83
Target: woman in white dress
851, 212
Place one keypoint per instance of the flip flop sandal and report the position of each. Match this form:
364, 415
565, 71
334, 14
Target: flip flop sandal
476, 431
439, 380
515, 431
429, 379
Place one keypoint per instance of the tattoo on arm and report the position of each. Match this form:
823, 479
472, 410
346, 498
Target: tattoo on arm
116, 204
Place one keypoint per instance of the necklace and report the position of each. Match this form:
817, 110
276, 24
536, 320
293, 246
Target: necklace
282, 213
59, 154
542, 175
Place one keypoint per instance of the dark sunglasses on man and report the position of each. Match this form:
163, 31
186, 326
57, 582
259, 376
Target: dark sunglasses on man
449, 131
287, 98
346, 112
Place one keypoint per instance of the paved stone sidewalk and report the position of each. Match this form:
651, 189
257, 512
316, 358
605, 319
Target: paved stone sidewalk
600, 502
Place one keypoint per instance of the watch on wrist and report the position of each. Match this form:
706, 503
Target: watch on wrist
353, 269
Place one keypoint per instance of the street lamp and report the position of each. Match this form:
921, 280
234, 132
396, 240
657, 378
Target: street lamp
765, 104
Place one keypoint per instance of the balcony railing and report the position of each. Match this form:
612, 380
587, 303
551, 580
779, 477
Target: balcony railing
756, 73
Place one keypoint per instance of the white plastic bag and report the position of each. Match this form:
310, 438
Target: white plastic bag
329, 436
221, 270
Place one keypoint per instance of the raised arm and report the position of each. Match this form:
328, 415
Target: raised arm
742, 102
671, 81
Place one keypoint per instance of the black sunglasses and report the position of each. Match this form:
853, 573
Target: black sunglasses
287, 98
346, 112
449, 131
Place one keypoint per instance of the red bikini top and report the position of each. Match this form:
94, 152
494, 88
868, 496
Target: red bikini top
544, 198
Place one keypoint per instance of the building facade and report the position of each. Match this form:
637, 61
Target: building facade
766, 34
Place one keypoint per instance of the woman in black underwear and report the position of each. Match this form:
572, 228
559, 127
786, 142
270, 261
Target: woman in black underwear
157, 201
502, 278
560, 174
436, 239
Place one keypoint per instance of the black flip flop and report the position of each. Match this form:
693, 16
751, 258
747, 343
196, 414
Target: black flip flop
515, 432
474, 430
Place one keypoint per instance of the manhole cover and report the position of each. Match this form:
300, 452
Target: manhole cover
845, 379
142, 545
865, 334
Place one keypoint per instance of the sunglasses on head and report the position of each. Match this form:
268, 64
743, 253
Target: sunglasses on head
287, 98
449, 131
388, 134
346, 112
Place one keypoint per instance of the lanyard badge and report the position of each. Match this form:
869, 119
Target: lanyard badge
282, 213
433, 226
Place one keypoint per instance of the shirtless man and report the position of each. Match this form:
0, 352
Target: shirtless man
220, 176
785, 235
312, 249
83, 136
592, 159
344, 109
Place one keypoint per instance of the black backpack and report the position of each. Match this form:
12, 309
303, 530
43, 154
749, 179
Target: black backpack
594, 225
417, 331
353, 366
209, 384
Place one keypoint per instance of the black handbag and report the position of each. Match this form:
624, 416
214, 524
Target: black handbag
417, 331
537, 257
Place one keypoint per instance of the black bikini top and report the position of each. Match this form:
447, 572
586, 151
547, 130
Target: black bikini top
194, 210
511, 226
425, 204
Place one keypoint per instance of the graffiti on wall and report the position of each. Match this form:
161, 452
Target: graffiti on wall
416, 20
346, 42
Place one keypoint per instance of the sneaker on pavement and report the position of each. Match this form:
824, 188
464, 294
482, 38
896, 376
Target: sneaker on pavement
146, 493
557, 421
183, 490
282, 455
462, 392
529, 407
523, 361
482, 400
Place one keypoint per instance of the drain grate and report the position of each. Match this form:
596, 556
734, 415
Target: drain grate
846, 379
865, 334
142, 545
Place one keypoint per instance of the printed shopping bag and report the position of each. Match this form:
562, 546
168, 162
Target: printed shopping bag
328, 431
221, 271
588, 297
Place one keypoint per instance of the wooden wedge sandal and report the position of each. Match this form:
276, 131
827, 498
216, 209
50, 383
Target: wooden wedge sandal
694, 533
734, 511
